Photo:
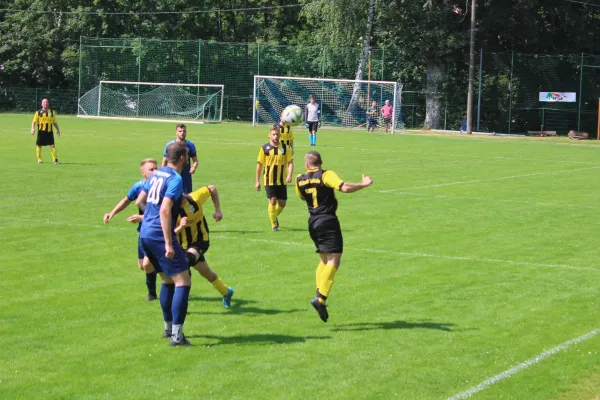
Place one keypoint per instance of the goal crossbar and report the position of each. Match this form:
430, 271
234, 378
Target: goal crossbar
164, 84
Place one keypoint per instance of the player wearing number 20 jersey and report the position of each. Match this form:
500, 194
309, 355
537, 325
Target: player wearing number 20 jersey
162, 196
165, 182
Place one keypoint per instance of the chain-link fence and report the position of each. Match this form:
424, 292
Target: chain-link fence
507, 85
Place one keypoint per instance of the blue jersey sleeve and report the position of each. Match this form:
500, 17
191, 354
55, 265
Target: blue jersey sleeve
192, 149
174, 187
134, 192
165, 152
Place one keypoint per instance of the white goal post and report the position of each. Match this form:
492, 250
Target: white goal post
153, 101
342, 102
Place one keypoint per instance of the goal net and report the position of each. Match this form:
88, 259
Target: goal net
343, 102
153, 101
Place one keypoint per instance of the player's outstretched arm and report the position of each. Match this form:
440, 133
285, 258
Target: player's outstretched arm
141, 200
121, 205
214, 196
349, 187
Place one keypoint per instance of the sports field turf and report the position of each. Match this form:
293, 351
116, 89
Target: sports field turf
470, 265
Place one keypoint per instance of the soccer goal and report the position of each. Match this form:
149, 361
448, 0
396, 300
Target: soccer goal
151, 101
343, 102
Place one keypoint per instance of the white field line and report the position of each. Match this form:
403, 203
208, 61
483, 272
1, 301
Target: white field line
136, 136
438, 256
492, 200
399, 253
526, 364
490, 179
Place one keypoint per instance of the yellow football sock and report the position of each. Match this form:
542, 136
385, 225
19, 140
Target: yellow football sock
53, 151
272, 215
220, 286
326, 281
320, 272
38, 152
278, 209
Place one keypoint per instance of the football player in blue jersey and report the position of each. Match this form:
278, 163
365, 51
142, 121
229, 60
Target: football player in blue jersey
192, 162
147, 168
160, 199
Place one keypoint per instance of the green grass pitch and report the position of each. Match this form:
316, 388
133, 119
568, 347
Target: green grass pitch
467, 257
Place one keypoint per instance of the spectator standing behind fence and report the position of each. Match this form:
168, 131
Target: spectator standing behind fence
386, 113
312, 119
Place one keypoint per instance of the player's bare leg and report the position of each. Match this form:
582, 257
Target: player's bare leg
212, 277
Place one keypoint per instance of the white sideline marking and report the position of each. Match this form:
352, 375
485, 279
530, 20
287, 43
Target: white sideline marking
490, 179
443, 257
491, 199
526, 364
48, 222
399, 253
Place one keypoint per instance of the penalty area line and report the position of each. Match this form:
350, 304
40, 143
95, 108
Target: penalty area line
525, 364
428, 255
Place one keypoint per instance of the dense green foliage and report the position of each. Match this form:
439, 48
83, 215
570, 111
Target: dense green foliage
422, 43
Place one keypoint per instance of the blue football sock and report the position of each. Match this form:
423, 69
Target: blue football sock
314, 139
166, 300
180, 304
151, 282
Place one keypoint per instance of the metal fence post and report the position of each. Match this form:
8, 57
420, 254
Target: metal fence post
510, 86
580, 93
480, 87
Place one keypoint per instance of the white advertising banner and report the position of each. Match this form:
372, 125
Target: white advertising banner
553, 97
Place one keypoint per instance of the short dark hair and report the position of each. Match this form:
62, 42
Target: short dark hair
180, 126
311, 97
313, 158
175, 151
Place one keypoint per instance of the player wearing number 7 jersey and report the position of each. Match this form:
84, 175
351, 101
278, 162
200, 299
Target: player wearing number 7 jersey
317, 187
161, 196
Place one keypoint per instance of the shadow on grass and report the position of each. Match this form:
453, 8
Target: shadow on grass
239, 306
261, 338
369, 326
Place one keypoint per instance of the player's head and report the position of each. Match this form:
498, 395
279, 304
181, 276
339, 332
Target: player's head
312, 160
147, 167
181, 132
177, 155
45, 104
312, 99
387, 102
274, 135
373, 104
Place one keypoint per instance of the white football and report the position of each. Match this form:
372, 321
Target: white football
292, 115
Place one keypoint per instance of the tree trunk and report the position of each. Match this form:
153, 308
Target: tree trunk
355, 100
433, 103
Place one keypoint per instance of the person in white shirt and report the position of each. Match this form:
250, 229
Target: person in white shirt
311, 116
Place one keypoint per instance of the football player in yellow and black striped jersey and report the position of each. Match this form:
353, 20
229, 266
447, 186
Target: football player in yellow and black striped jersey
317, 187
45, 119
193, 235
278, 168
286, 135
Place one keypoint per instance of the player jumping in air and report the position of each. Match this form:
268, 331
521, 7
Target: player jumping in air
317, 187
